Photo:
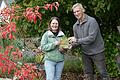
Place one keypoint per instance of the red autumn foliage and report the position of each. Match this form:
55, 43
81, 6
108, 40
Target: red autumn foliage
6, 64
9, 57
50, 6
32, 13
8, 29
26, 72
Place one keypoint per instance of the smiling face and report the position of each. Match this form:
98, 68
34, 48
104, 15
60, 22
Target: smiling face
78, 13
54, 25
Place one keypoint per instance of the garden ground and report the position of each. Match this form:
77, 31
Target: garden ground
77, 76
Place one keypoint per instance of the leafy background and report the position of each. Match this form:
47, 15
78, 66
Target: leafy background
106, 13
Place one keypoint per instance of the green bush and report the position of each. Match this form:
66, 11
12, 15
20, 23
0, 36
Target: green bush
73, 64
111, 39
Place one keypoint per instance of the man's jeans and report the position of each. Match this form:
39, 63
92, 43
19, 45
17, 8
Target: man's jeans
53, 69
99, 61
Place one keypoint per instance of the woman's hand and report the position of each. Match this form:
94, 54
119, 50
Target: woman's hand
62, 50
57, 43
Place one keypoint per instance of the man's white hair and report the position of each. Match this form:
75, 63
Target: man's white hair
78, 5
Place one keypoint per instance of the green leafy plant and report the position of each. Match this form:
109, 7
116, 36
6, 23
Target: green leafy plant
111, 51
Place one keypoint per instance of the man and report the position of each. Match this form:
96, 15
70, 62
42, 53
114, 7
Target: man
87, 35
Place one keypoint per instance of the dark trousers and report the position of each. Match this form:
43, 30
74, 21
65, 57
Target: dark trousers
99, 61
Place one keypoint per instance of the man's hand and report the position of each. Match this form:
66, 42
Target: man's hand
36, 50
70, 46
72, 39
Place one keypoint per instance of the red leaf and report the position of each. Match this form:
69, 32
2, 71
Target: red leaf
40, 16
4, 34
10, 47
11, 36
9, 69
4, 69
34, 18
13, 27
8, 28
51, 7
45, 7
0, 47
56, 8
6, 52
1, 64
14, 53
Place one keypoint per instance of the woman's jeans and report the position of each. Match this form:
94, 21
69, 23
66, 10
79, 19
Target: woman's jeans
53, 69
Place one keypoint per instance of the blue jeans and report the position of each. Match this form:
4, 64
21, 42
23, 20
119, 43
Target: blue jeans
53, 70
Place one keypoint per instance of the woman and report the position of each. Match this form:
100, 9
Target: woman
54, 57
